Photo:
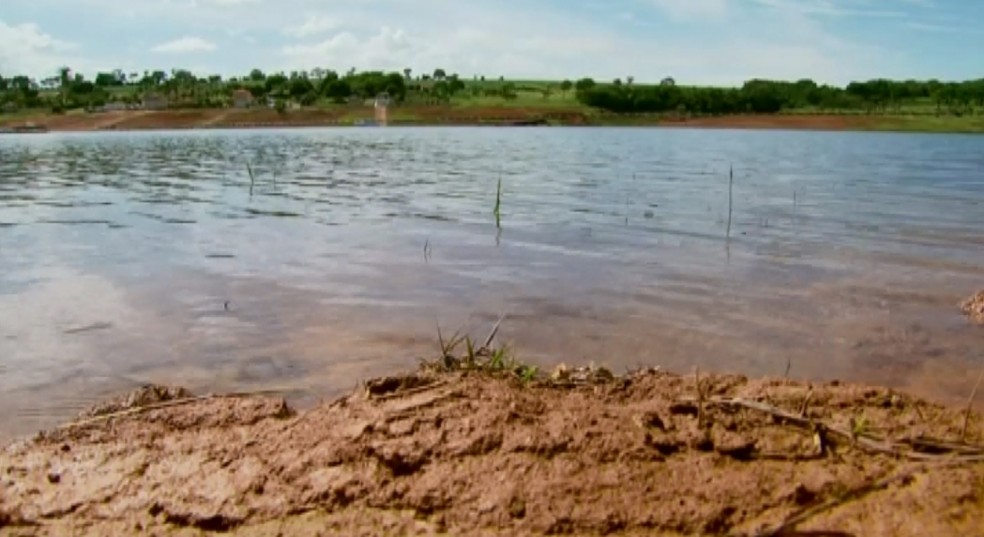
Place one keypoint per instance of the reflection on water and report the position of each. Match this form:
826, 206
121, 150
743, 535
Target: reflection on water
142, 257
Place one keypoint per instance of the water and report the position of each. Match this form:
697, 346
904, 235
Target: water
128, 258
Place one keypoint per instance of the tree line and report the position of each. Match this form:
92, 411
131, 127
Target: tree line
66, 90
183, 89
770, 96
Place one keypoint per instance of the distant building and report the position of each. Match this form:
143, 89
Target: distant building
242, 98
154, 101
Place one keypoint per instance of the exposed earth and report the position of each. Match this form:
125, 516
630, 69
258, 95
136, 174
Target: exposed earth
480, 452
974, 307
422, 115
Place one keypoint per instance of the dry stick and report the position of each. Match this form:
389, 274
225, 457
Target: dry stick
970, 405
869, 444
929, 443
789, 364
165, 404
806, 402
495, 330
731, 185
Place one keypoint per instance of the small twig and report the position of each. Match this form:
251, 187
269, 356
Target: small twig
440, 341
806, 403
970, 406
165, 404
495, 330
926, 443
731, 185
789, 365
865, 442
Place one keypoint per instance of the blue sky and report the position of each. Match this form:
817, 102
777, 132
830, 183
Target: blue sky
720, 42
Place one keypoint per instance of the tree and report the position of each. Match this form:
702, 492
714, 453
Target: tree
337, 89
257, 76
104, 80
439, 74
299, 87
275, 82
617, 82
407, 72
668, 81
584, 84
566, 86
629, 80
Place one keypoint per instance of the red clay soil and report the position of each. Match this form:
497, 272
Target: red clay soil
469, 454
264, 117
799, 122
425, 115
974, 307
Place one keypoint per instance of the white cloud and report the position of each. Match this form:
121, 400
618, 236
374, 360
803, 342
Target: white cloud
314, 25
185, 45
25, 49
696, 41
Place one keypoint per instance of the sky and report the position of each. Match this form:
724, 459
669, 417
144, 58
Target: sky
712, 42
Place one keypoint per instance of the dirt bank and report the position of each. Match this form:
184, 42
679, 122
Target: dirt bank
470, 454
798, 122
309, 117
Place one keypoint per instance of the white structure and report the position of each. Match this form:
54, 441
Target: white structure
381, 104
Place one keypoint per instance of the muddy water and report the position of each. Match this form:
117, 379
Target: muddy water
128, 258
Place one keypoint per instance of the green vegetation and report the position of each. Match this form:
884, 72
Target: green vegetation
487, 359
906, 105
770, 97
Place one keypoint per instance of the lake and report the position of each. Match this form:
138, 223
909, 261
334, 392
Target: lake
128, 258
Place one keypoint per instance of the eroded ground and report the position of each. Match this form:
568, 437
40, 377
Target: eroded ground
472, 454
974, 307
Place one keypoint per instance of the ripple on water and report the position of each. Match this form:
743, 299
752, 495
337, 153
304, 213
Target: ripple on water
847, 256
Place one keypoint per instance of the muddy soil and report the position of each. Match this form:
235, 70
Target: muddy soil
469, 454
974, 307
777, 121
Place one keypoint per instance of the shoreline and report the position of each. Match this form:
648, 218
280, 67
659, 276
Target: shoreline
194, 119
580, 451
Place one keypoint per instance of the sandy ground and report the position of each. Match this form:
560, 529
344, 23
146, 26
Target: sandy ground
469, 453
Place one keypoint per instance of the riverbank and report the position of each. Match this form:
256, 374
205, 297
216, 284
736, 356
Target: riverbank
494, 451
474, 115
